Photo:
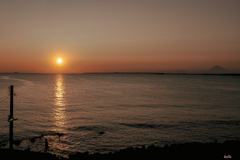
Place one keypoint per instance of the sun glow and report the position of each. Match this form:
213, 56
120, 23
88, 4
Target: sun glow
59, 60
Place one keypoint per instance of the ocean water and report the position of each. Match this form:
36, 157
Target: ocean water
108, 112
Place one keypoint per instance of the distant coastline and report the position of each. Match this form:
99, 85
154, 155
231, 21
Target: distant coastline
157, 73
163, 73
215, 70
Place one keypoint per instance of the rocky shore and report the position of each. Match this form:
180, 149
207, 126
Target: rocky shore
187, 151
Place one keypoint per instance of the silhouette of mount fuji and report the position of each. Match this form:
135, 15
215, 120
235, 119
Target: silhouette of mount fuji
217, 70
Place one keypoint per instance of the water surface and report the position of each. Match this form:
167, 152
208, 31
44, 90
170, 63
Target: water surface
109, 112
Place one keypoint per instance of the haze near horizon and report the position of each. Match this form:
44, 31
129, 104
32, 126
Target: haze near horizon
119, 36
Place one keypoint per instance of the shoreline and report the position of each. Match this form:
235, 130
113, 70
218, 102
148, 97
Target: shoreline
186, 151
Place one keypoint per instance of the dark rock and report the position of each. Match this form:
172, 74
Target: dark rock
3, 143
101, 132
17, 142
59, 134
32, 139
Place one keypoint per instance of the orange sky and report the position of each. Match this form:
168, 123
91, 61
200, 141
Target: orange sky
119, 36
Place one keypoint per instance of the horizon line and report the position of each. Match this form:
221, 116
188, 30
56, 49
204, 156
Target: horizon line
167, 72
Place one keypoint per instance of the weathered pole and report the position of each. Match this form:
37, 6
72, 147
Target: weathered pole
11, 117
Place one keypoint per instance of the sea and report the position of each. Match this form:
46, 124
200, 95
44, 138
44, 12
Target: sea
109, 112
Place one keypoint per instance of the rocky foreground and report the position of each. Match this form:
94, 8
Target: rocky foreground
187, 151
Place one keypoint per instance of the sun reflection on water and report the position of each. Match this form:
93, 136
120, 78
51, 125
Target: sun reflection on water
60, 102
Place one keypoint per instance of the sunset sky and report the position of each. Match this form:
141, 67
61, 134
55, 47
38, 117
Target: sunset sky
119, 35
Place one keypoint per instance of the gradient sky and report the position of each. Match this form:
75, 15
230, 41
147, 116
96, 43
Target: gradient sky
119, 35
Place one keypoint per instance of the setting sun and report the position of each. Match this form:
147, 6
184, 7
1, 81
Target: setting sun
59, 60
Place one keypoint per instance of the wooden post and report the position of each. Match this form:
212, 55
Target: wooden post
11, 116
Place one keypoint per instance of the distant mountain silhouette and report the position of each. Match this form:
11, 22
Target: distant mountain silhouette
217, 70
